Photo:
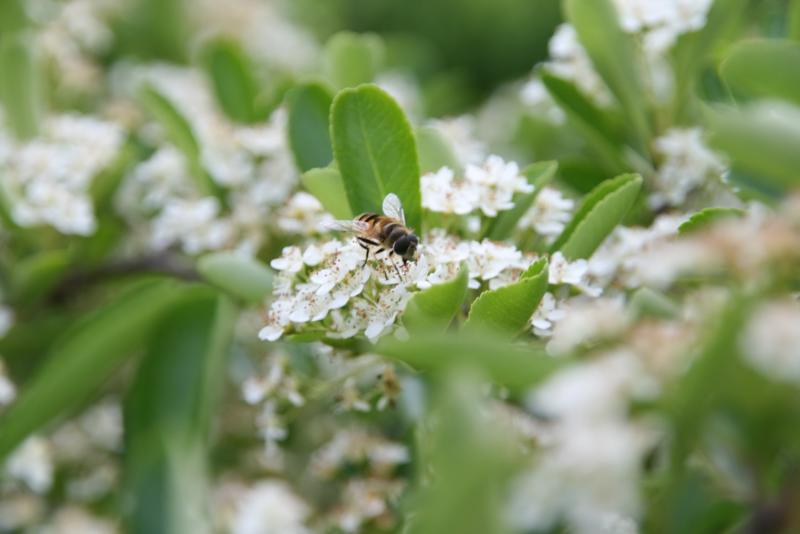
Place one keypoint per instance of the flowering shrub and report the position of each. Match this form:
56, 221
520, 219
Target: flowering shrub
263, 274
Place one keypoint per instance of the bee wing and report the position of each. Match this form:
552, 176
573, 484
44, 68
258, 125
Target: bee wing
393, 208
348, 225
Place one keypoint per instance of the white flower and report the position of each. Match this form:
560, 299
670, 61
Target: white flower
687, 165
352, 446
497, 181
588, 470
443, 194
252, 165
303, 214
71, 519
49, 177
547, 314
573, 273
193, 223
329, 286
550, 213
270, 507
617, 256
32, 464
489, 187
587, 320
290, 260
771, 340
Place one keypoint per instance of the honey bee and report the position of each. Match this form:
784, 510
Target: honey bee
388, 232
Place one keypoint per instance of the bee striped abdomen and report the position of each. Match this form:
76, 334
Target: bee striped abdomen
368, 217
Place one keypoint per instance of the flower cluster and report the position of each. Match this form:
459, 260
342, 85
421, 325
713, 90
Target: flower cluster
49, 178
488, 187
166, 198
332, 286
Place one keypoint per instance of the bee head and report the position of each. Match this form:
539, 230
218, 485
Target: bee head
406, 246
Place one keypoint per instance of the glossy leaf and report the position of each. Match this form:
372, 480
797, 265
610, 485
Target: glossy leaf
515, 366
594, 123
168, 415
435, 307
458, 433
614, 55
538, 175
350, 59
79, 362
20, 84
376, 151
768, 68
309, 125
705, 217
600, 212
509, 308
35, 276
689, 400
763, 140
243, 277
180, 133
233, 80
647, 302
326, 184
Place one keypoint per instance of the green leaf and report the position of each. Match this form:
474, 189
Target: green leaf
326, 184
614, 55
435, 307
434, 151
690, 399
309, 125
646, 302
538, 175
768, 68
507, 310
105, 184
595, 124
180, 133
232, 79
36, 275
460, 432
243, 277
763, 140
350, 59
601, 210
703, 218
20, 84
168, 414
376, 152
694, 51
79, 362
794, 20
515, 366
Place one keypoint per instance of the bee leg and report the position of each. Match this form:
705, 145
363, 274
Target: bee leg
396, 268
366, 256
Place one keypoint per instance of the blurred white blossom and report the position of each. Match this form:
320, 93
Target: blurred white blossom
549, 214
270, 507
771, 340
687, 164
49, 177
587, 473
32, 463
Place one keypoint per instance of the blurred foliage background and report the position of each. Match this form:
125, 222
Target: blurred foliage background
614, 348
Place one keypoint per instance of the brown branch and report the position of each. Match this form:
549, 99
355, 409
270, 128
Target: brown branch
168, 264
